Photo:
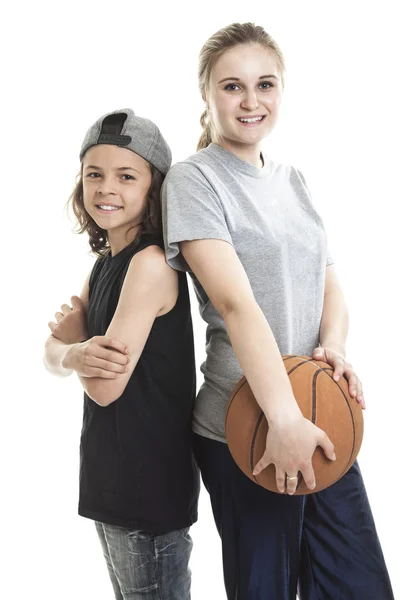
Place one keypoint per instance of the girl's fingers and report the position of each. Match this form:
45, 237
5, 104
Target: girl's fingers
65, 309
355, 386
353, 383
52, 325
338, 364
343, 368
58, 316
338, 370
309, 475
318, 354
291, 483
262, 464
360, 395
280, 477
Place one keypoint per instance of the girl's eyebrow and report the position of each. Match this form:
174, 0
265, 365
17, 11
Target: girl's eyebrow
237, 78
119, 168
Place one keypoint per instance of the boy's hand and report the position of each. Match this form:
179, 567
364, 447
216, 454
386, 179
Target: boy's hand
71, 326
100, 356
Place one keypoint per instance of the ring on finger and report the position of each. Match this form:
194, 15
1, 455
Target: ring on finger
291, 477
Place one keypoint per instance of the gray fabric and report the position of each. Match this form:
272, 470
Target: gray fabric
146, 139
267, 216
146, 566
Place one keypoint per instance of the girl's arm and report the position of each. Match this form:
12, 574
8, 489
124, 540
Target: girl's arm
335, 317
333, 334
150, 289
291, 440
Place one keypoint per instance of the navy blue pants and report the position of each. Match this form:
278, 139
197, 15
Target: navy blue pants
323, 546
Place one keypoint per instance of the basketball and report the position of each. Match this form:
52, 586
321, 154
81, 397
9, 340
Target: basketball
322, 400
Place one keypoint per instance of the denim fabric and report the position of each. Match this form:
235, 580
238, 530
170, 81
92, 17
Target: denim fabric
144, 566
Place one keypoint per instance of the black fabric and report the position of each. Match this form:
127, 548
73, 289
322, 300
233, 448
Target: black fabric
137, 468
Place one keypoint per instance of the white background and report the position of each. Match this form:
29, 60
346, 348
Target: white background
66, 64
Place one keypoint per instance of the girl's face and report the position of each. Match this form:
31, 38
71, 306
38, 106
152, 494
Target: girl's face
115, 185
244, 95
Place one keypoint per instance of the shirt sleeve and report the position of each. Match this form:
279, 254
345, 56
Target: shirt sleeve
329, 257
191, 210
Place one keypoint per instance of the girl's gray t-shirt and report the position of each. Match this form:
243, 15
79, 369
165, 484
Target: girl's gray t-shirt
267, 216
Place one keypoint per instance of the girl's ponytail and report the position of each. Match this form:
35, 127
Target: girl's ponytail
205, 138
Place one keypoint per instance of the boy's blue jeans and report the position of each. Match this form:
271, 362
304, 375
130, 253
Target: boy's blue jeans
144, 566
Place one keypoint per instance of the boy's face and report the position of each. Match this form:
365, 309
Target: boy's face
115, 185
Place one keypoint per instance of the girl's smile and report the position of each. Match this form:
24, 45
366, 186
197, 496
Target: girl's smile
251, 121
243, 99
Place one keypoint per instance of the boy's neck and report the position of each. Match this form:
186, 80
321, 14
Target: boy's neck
118, 240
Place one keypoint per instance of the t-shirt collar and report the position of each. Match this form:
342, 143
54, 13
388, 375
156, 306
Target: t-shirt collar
239, 164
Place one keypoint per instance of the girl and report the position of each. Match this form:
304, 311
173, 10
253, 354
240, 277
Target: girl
129, 338
246, 230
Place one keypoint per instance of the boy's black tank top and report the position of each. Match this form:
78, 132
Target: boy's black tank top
137, 468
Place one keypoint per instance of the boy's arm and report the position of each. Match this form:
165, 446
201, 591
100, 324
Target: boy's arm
149, 288
70, 329
100, 357
54, 356
67, 349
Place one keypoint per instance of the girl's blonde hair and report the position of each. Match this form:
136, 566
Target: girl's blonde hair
224, 39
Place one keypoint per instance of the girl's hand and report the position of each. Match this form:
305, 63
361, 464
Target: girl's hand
100, 356
71, 324
341, 367
290, 446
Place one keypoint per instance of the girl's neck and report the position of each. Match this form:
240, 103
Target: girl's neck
248, 153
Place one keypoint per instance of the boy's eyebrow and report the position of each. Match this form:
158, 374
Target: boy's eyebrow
237, 78
127, 169
119, 168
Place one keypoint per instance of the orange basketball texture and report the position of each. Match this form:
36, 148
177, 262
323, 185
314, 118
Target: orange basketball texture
322, 400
